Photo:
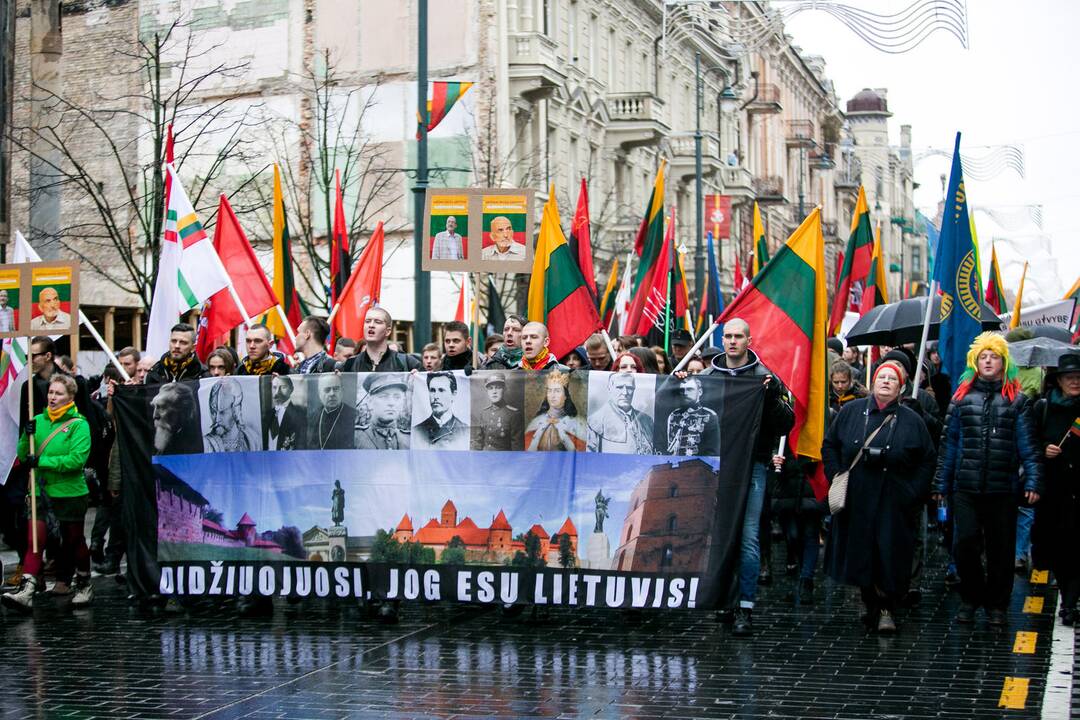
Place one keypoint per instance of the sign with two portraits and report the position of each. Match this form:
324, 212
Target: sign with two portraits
39, 298
478, 230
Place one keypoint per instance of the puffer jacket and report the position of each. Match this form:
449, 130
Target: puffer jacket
986, 439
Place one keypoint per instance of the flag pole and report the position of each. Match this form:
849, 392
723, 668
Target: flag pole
697, 346
710, 331
610, 345
475, 329
690, 325
922, 343
288, 327
85, 321
33, 443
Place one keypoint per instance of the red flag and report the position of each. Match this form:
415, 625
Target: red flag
169, 150
649, 307
220, 314
459, 314
340, 262
739, 280
581, 242
363, 289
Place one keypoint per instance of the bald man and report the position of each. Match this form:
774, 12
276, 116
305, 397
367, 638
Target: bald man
51, 317
534, 348
502, 237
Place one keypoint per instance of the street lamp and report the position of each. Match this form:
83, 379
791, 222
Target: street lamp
728, 100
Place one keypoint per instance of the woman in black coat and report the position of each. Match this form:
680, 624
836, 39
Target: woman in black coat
1056, 534
872, 539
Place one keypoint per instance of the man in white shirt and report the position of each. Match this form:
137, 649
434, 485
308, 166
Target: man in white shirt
7, 314
504, 247
284, 424
51, 317
448, 243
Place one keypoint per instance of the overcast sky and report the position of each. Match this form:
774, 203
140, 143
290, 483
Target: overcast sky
1012, 85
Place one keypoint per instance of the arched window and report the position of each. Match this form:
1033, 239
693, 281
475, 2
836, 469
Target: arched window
629, 533
672, 523
673, 491
666, 557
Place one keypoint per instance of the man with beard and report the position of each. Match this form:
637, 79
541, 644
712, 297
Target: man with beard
284, 424
442, 430
693, 429
227, 430
500, 426
175, 429
620, 427
386, 398
179, 363
334, 426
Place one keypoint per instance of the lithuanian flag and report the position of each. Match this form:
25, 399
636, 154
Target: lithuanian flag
444, 95
875, 291
284, 284
857, 258
761, 246
558, 296
995, 289
609, 292
785, 306
650, 234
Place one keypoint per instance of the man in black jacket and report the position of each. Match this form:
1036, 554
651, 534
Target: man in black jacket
989, 434
377, 355
458, 345
777, 419
261, 360
180, 362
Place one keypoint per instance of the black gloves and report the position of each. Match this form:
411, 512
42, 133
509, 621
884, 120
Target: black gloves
30, 427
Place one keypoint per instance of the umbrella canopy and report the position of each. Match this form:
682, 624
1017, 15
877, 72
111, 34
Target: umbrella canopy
1039, 352
901, 322
1053, 332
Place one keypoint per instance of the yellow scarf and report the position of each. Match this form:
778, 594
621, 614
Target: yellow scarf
59, 412
540, 361
259, 367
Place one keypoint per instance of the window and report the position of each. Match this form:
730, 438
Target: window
672, 523
573, 41
549, 17
594, 42
666, 557
673, 491
916, 259
629, 533
611, 59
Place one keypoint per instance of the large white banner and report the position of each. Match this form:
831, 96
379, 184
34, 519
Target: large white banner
1059, 314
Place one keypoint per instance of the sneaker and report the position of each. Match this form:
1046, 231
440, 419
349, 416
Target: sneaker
764, 576
743, 626
806, 591
22, 599
60, 588
1068, 617
886, 625
997, 618
84, 591
966, 614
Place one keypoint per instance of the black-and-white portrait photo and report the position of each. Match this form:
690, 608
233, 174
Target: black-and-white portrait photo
687, 417
384, 412
331, 411
440, 411
555, 402
498, 398
621, 411
284, 412
176, 420
231, 415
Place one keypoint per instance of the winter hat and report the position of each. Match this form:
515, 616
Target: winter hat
895, 366
995, 343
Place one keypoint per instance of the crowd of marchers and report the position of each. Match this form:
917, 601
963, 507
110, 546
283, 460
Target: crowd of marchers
987, 464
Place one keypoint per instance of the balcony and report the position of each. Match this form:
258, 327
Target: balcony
534, 69
683, 162
767, 101
636, 120
737, 182
799, 133
769, 190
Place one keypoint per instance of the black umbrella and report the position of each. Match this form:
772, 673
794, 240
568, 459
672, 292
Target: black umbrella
902, 322
1039, 352
1053, 332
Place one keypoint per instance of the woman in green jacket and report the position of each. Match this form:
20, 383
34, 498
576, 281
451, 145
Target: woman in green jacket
62, 445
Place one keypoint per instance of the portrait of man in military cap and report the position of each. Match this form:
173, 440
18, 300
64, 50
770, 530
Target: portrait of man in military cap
691, 428
497, 422
384, 412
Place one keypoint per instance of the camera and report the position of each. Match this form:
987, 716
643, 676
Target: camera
874, 457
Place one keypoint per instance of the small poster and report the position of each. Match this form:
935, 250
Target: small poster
52, 293
448, 232
479, 230
10, 322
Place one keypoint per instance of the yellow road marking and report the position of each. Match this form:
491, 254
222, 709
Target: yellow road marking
1025, 642
1014, 693
1039, 577
1033, 605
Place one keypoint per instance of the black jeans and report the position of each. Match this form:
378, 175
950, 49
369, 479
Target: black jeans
985, 522
107, 521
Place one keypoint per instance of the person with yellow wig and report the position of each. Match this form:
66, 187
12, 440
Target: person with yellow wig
989, 438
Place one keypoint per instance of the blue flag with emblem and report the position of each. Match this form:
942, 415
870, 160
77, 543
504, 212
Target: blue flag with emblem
956, 269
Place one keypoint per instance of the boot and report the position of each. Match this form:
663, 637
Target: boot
84, 590
806, 591
744, 625
22, 599
886, 625
60, 588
